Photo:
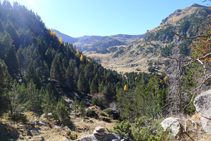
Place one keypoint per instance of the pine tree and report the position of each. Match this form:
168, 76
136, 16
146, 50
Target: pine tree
32, 96
1, 26
30, 72
20, 61
15, 98
4, 87
82, 108
11, 62
75, 105
48, 100
62, 112
93, 86
101, 86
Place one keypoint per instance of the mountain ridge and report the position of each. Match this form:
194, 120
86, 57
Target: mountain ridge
157, 41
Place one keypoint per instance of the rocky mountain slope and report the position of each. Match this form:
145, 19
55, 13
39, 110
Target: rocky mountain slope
155, 43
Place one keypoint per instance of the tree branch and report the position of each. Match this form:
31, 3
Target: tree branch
208, 76
194, 60
199, 36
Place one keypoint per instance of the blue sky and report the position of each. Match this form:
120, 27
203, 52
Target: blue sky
78, 18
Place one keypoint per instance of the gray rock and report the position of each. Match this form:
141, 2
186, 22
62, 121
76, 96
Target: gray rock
40, 138
100, 129
107, 137
43, 115
175, 128
57, 127
206, 124
49, 115
203, 104
32, 132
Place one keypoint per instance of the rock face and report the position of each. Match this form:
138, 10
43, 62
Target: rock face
175, 128
100, 135
203, 106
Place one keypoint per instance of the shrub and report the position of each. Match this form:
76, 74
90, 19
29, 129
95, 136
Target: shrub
18, 118
106, 119
73, 137
99, 100
91, 113
148, 129
112, 113
108, 110
151, 69
102, 114
122, 128
69, 132
85, 117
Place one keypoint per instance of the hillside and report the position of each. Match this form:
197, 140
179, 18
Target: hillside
49, 87
156, 42
65, 37
98, 43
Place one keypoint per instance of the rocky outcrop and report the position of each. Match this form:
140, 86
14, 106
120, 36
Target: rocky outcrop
100, 135
203, 106
174, 126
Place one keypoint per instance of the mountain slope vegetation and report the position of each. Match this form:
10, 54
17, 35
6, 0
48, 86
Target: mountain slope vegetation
156, 42
40, 73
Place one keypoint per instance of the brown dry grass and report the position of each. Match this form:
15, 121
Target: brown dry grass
51, 134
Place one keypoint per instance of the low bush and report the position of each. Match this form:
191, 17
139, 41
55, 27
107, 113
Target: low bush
91, 113
106, 119
18, 118
112, 113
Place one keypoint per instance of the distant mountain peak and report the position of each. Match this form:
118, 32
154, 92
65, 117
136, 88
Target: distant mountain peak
197, 5
178, 12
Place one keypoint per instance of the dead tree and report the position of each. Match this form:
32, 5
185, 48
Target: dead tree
178, 63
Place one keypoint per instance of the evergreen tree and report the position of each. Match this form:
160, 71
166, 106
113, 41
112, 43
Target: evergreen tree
93, 86
13, 33
75, 105
20, 61
1, 26
62, 113
32, 96
101, 86
14, 96
46, 72
48, 100
30, 72
11, 62
4, 87
82, 108
82, 83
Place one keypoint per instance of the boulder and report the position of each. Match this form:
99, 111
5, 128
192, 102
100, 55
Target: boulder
202, 104
100, 129
38, 138
32, 132
50, 115
107, 137
173, 124
99, 132
99, 135
206, 124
